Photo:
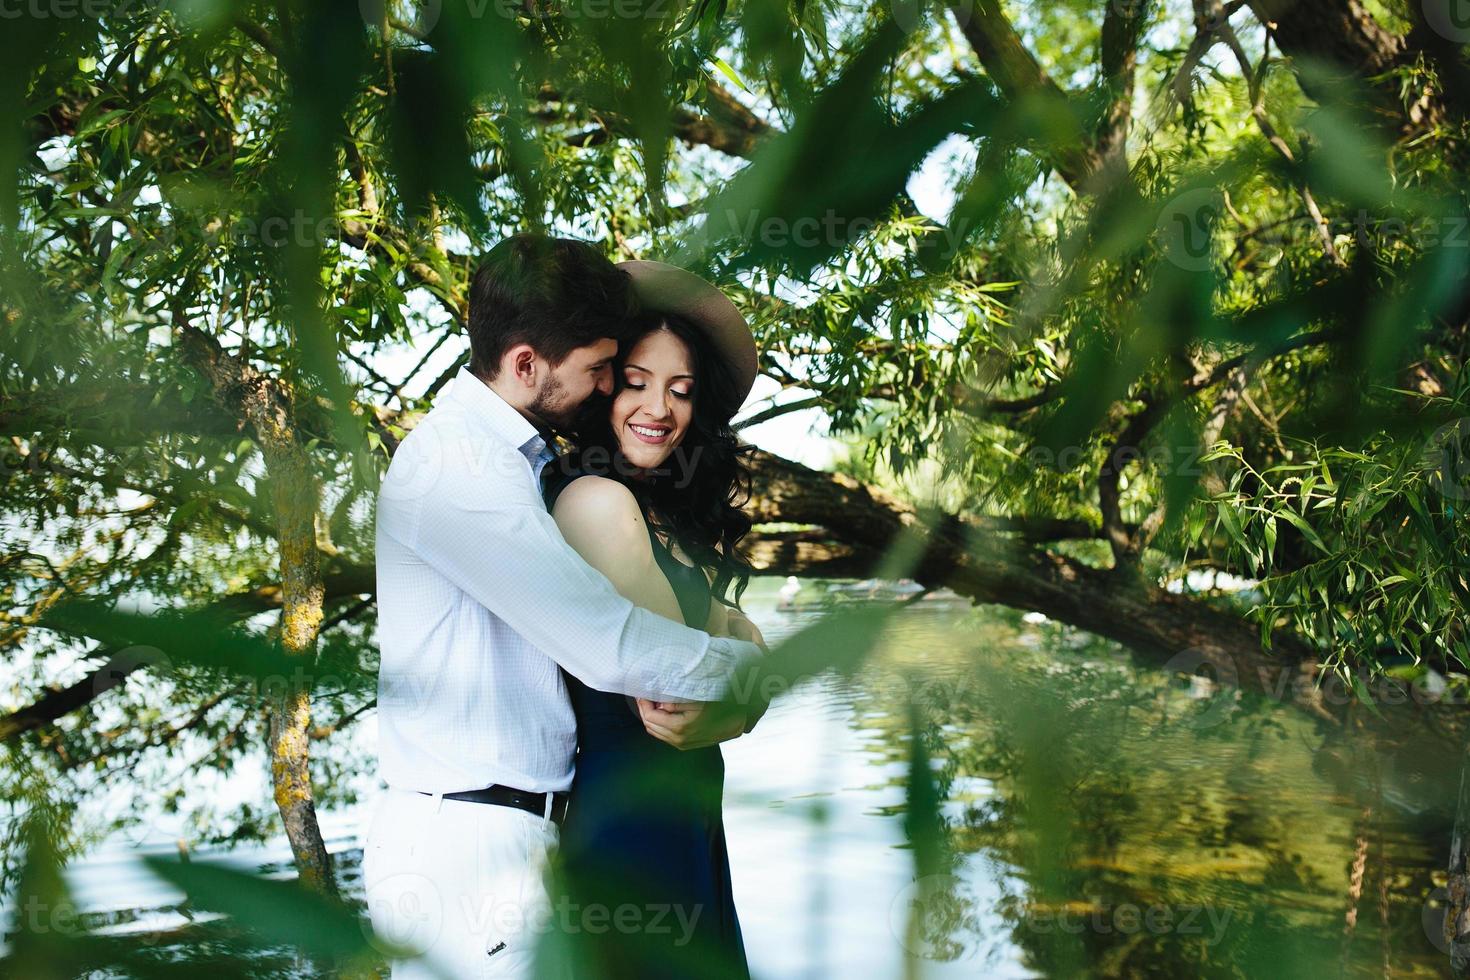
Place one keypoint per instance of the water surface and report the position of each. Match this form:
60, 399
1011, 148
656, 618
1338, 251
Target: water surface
1098, 819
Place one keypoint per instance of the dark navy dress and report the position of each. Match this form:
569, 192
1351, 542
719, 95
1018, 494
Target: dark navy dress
643, 865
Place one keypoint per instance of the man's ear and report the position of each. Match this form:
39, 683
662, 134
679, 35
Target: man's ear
520, 362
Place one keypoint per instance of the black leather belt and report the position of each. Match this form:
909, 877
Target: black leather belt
518, 798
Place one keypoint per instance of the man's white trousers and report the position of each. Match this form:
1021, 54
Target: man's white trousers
461, 883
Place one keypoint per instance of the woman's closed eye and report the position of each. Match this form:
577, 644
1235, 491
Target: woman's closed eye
673, 391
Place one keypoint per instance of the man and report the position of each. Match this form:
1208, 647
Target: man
480, 600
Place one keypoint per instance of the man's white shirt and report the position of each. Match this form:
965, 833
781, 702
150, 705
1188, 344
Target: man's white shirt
480, 598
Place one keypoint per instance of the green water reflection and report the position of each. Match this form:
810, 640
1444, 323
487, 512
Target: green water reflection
1141, 826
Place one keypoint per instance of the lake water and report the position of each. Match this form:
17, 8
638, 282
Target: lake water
1098, 820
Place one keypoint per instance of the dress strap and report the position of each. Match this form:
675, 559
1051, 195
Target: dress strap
556, 476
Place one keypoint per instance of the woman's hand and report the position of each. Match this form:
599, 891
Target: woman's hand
692, 725
739, 626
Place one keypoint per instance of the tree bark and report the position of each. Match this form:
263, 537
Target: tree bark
1023, 82
1457, 916
295, 493
267, 406
1122, 28
858, 524
1343, 37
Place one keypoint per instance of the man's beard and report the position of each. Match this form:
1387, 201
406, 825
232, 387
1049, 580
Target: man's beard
547, 405
552, 407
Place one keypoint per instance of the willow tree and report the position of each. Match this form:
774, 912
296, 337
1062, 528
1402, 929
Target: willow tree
1197, 303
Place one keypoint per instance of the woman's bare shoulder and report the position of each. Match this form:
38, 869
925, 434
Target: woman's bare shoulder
596, 506
598, 494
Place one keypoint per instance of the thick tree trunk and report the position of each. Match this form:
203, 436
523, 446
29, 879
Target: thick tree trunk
1457, 916
856, 526
1343, 37
295, 493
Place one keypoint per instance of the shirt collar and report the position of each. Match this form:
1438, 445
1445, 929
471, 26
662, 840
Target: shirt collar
494, 414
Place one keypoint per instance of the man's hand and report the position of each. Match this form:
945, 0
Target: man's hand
697, 724
692, 724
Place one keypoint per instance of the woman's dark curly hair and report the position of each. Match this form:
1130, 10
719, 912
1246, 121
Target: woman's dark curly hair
695, 502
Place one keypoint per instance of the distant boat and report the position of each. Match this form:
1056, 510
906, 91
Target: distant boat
887, 590
791, 598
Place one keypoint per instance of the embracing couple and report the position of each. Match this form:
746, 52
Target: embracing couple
557, 632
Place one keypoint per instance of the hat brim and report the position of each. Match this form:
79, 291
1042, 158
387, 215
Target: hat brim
666, 288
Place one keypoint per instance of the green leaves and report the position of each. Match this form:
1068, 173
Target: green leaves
428, 125
723, 67
793, 208
274, 912
840, 641
1347, 548
1300, 523
167, 639
984, 332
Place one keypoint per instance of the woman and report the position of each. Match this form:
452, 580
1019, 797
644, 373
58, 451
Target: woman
649, 499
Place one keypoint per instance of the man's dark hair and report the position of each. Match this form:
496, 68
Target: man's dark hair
556, 294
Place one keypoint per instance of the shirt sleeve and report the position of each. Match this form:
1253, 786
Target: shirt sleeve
490, 534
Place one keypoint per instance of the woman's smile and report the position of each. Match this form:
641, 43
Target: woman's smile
653, 434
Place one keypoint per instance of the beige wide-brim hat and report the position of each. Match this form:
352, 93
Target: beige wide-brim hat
666, 288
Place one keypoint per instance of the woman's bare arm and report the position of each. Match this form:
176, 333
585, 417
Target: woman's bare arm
718, 623
601, 520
